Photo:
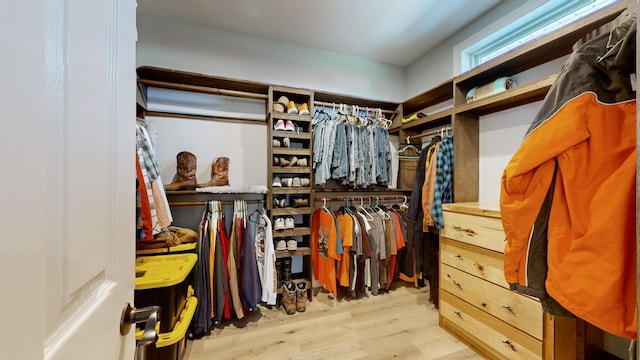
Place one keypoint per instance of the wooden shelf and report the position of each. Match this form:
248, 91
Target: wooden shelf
300, 251
291, 211
430, 121
290, 90
436, 95
290, 190
525, 94
290, 134
292, 117
298, 231
290, 170
289, 151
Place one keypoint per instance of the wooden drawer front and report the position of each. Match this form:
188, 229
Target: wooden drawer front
480, 231
494, 338
485, 264
522, 312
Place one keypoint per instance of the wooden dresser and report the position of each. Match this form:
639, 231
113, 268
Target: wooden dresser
476, 304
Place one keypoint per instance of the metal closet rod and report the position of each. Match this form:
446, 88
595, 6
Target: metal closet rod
361, 107
357, 198
222, 202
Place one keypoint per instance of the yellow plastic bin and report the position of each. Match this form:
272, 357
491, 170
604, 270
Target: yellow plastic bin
172, 345
163, 280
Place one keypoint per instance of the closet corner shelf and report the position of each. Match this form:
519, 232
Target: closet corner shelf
521, 95
300, 251
430, 121
291, 90
438, 94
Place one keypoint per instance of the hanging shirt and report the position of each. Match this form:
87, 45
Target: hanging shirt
324, 235
266, 260
443, 189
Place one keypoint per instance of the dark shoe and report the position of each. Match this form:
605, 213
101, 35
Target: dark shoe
289, 297
301, 296
279, 272
286, 269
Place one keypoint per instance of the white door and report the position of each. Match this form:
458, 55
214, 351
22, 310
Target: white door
67, 178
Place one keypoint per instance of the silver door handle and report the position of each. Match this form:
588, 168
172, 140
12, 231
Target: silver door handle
148, 315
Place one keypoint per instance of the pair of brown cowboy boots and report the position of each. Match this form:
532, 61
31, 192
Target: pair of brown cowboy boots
294, 297
185, 178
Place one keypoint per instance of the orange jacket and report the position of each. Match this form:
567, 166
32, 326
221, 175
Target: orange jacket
568, 195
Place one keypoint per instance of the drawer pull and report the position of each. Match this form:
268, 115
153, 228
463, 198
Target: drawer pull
508, 342
458, 313
459, 257
509, 309
457, 284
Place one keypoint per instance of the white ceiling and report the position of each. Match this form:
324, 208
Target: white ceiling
393, 32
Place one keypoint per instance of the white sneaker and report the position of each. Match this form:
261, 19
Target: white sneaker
288, 223
282, 245
278, 224
289, 126
292, 244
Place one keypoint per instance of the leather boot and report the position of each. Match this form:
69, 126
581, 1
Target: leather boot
185, 178
301, 296
279, 272
219, 173
289, 297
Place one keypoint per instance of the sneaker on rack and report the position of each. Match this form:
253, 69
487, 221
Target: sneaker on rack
286, 142
304, 182
291, 108
295, 182
303, 109
280, 125
288, 223
276, 143
276, 182
281, 245
278, 108
278, 224
302, 162
283, 100
292, 244
289, 126
293, 161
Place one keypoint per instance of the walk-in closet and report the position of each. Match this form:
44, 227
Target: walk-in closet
286, 179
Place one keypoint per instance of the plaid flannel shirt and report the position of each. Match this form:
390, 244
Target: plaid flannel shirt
443, 190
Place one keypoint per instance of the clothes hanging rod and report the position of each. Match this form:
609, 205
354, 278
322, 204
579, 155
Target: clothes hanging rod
361, 107
357, 198
203, 89
222, 202
427, 133
203, 117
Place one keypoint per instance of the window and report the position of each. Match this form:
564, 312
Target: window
543, 18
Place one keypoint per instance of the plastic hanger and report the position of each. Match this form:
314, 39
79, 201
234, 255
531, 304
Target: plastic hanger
398, 153
324, 205
404, 204
384, 213
363, 210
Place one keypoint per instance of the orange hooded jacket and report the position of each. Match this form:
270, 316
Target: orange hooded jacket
568, 193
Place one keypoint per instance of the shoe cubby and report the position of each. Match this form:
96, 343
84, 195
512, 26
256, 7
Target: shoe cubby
289, 155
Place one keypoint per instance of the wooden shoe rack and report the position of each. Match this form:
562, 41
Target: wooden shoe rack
299, 147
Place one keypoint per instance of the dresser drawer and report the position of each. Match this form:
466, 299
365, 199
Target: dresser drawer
520, 311
476, 230
492, 337
485, 264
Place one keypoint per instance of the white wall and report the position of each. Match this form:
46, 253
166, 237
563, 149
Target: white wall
182, 46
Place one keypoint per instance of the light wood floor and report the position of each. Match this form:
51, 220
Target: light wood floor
401, 324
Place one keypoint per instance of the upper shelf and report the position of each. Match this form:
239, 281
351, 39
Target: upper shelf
525, 94
436, 95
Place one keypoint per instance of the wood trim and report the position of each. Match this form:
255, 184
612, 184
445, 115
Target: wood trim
202, 89
466, 157
203, 117
437, 119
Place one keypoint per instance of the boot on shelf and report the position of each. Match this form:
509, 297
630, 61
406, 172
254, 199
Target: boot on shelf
185, 178
219, 173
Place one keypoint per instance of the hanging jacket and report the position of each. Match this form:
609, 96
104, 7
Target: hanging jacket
568, 194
